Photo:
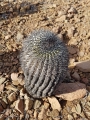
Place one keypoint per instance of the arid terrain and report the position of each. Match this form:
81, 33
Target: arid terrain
68, 19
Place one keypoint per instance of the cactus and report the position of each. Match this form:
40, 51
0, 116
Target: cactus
44, 61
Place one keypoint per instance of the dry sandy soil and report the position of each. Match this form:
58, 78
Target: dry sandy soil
70, 20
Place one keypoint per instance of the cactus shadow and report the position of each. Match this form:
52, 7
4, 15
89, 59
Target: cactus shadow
9, 62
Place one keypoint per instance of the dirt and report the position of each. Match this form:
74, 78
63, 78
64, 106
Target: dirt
70, 20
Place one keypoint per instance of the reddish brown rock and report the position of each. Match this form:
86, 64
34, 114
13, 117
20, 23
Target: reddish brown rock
70, 91
72, 50
76, 76
85, 80
20, 106
84, 66
1, 108
88, 88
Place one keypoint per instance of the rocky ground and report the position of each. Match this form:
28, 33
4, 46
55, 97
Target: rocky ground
70, 20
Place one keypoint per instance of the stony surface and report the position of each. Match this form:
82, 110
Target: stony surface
70, 20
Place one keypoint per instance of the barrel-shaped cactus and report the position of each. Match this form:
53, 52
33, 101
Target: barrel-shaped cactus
44, 61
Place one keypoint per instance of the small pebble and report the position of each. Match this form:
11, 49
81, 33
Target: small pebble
88, 88
37, 104
70, 117
12, 97
76, 76
85, 80
72, 10
7, 37
19, 36
71, 32
55, 114
72, 50
81, 53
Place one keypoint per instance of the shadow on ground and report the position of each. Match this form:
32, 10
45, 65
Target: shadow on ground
9, 62
11, 10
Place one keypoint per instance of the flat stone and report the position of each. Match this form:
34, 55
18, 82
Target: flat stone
70, 91
84, 66
20, 106
2, 79
54, 103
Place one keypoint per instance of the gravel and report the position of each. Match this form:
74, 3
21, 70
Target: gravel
71, 20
